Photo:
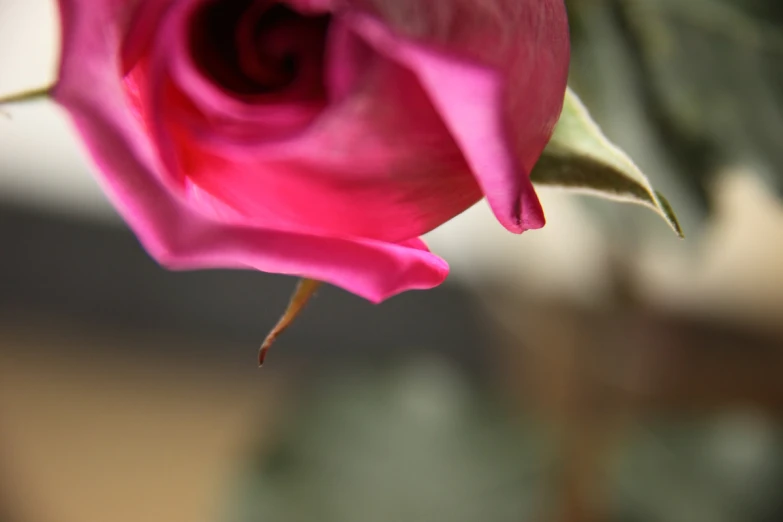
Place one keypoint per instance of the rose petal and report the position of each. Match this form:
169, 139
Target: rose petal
91, 90
144, 17
497, 72
472, 108
377, 164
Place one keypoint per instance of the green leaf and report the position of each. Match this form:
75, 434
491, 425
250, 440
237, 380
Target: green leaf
704, 77
579, 157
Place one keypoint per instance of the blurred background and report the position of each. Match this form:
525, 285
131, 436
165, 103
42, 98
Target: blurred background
597, 370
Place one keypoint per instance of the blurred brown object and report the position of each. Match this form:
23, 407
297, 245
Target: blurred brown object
588, 373
89, 435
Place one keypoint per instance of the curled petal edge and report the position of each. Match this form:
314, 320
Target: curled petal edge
472, 108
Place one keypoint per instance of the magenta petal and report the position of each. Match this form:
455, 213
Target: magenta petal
497, 73
377, 163
91, 90
472, 108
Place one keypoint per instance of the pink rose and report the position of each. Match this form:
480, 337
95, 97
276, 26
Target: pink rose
317, 138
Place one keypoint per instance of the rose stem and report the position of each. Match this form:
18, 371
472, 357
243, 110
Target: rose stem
29, 95
25, 96
304, 291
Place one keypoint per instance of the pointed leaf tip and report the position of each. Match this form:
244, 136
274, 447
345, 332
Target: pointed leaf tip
581, 158
302, 295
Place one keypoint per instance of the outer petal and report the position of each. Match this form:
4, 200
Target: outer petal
497, 72
91, 89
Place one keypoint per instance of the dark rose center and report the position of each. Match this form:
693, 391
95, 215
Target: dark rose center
259, 47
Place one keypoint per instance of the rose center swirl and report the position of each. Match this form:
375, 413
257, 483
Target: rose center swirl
259, 47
